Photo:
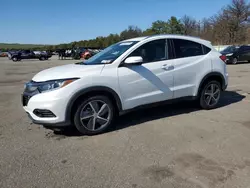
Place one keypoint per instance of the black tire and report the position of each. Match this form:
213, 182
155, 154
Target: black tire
15, 59
42, 58
80, 109
234, 61
204, 99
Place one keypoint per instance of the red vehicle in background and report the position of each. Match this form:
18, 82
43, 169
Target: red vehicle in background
3, 54
86, 54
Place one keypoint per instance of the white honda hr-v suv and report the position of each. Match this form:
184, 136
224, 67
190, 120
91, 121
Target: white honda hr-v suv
124, 76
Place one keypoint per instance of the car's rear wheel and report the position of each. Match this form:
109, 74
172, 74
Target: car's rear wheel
94, 115
234, 61
210, 95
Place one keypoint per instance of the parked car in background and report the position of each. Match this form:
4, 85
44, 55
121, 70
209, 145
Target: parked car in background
86, 54
3, 54
237, 54
28, 54
129, 74
54, 53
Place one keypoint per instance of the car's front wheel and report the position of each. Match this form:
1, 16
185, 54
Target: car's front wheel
210, 95
94, 115
15, 59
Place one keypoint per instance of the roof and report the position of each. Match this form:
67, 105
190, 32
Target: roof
136, 39
170, 36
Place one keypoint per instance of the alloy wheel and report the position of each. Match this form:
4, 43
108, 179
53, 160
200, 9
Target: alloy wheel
95, 115
212, 94
234, 61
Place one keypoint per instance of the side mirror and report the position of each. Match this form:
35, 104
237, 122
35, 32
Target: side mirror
135, 60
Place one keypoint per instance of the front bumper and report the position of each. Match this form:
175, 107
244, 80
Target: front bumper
49, 102
47, 124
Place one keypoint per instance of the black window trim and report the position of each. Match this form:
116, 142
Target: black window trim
203, 49
172, 49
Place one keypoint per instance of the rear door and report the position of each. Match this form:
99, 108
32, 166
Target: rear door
189, 64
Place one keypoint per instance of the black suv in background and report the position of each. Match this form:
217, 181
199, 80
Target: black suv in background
237, 53
28, 54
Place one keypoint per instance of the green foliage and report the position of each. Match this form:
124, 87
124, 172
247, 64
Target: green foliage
131, 32
175, 26
159, 27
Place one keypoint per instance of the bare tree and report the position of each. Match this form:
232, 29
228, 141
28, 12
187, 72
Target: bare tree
206, 29
189, 25
230, 25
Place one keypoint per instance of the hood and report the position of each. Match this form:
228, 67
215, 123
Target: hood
67, 71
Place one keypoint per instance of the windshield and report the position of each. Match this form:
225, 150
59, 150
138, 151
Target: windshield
109, 54
230, 49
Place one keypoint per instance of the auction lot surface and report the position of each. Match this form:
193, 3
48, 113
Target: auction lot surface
172, 146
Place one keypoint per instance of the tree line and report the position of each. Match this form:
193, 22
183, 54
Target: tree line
229, 26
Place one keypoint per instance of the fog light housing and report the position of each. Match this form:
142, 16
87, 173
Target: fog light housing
43, 113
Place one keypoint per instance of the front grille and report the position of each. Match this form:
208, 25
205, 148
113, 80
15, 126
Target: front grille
43, 113
25, 99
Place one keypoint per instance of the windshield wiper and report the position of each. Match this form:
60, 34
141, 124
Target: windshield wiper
80, 63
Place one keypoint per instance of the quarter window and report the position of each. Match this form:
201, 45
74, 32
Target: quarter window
152, 51
206, 49
186, 48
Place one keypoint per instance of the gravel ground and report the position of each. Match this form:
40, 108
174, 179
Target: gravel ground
171, 146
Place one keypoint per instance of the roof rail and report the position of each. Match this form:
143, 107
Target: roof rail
172, 34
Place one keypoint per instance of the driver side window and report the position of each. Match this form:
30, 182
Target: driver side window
152, 51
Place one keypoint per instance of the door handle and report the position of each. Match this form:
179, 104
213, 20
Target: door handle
167, 67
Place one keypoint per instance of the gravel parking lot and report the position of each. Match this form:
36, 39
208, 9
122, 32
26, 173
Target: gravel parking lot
171, 146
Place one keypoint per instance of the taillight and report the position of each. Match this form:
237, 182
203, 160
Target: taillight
223, 58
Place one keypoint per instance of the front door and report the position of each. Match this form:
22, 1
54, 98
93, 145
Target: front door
25, 54
150, 82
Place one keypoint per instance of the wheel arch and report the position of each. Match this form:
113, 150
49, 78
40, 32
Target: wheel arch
212, 76
95, 90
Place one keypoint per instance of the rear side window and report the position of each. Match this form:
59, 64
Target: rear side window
245, 48
186, 48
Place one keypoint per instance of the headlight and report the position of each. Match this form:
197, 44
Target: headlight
47, 86
229, 54
56, 84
